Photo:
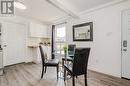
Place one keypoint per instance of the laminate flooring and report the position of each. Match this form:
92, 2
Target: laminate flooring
28, 74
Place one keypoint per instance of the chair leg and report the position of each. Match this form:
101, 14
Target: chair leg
73, 80
64, 74
57, 71
76, 76
62, 62
42, 72
85, 78
45, 68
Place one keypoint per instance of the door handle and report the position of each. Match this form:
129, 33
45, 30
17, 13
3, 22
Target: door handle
125, 50
125, 43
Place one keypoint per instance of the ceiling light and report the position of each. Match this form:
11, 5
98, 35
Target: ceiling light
19, 5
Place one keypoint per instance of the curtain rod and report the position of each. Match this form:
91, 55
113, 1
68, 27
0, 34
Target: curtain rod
61, 23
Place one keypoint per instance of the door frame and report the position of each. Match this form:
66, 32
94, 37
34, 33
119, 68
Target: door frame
52, 45
122, 27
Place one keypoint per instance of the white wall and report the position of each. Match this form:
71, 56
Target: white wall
106, 46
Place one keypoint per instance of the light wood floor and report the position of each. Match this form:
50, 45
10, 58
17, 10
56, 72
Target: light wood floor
29, 75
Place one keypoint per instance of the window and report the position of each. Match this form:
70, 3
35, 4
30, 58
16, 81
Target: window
60, 40
60, 34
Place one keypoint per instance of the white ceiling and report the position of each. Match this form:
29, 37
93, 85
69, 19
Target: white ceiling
82, 5
40, 10
44, 11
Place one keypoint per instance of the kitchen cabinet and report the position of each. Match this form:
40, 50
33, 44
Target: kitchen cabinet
1, 59
38, 30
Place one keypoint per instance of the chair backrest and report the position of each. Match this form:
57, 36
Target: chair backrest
42, 54
71, 50
80, 61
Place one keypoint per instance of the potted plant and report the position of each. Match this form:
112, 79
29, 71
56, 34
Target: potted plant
65, 51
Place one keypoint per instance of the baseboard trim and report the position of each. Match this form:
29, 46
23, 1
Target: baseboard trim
100, 73
125, 78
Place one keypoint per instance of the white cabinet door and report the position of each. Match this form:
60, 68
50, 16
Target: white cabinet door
126, 44
1, 63
1, 60
38, 30
14, 43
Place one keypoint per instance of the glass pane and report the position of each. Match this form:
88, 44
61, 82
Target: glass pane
61, 32
60, 38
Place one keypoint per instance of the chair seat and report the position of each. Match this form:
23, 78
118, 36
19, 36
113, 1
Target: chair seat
52, 62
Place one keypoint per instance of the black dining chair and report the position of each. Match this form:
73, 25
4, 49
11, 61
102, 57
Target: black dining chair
48, 63
79, 65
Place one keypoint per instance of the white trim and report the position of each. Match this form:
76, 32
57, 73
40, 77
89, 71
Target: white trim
124, 25
104, 72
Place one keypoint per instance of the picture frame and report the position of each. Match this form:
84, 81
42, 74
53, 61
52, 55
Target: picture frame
83, 32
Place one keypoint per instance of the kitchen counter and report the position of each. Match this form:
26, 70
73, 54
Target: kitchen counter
33, 46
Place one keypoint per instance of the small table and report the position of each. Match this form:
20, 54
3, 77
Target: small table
64, 60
